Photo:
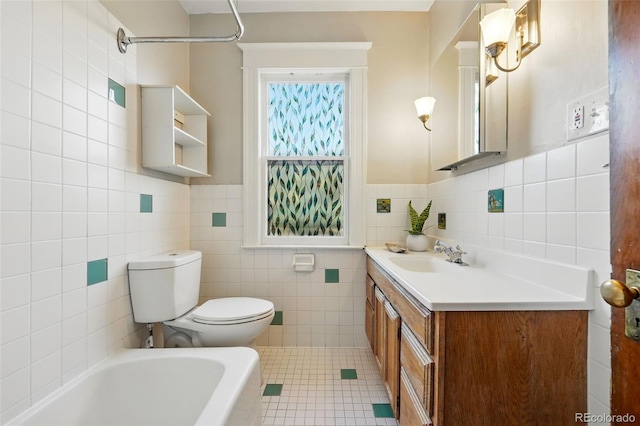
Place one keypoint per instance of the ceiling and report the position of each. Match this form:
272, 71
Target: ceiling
194, 7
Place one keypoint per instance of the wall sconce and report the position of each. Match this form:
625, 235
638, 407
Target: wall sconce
424, 108
497, 27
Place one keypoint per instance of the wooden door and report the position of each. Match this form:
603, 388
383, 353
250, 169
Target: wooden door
624, 88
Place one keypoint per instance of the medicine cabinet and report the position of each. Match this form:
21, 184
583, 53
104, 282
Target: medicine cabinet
470, 119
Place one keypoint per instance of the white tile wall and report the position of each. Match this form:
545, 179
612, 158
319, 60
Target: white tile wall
315, 313
556, 207
69, 194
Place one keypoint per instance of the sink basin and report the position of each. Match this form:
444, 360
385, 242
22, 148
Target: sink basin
423, 264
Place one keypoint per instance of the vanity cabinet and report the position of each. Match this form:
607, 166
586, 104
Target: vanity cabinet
174, 131
483, 367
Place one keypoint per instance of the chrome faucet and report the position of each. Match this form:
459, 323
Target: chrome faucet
455, 256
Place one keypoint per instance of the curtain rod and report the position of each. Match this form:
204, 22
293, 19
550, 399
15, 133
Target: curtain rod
124, 41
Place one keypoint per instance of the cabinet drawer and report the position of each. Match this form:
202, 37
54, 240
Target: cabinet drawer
411, 411
416, 315
419, 319
418, 366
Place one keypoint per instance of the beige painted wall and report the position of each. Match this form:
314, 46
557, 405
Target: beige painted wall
398, 73
571, 62
157, 63
556, 73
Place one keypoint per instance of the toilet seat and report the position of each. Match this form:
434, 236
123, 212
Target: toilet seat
232, 310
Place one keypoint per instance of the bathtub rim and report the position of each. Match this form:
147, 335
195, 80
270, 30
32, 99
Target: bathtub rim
239, 365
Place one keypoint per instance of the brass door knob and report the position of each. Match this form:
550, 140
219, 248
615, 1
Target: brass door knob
617, 293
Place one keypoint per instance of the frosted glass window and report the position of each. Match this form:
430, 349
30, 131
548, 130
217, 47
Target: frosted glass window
306, 119
305, 160
305, 198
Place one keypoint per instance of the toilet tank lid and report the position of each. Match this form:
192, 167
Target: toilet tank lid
170, 259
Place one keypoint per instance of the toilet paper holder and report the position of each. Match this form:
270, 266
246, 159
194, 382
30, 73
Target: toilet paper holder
304, 262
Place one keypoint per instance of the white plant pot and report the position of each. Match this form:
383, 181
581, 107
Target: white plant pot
417, 242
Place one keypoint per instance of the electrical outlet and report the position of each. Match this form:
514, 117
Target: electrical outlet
578, 117
588, 115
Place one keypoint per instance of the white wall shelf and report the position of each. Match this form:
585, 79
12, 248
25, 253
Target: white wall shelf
166, 147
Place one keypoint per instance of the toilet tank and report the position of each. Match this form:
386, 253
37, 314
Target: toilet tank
164, 286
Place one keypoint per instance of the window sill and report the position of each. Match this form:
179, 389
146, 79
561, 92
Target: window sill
302, 246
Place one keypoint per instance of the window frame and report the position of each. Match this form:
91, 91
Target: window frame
264, 62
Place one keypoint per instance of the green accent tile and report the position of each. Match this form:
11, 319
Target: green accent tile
382, 410
96, 271
277, 318
146, 203
331, 275
219, 219
348, 374
272, 390
117, 93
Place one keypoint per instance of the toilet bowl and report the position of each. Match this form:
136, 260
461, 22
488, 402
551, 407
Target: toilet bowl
228, 321
164, 288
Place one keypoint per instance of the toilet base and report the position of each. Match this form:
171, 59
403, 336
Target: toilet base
180, 339
183, 332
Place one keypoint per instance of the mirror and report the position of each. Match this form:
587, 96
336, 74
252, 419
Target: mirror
470, 119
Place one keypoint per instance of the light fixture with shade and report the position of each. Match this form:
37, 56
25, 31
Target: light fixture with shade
497, 27
424, 109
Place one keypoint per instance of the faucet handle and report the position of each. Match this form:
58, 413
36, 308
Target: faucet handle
458, 256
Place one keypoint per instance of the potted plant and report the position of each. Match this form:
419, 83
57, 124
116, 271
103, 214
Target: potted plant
417, 240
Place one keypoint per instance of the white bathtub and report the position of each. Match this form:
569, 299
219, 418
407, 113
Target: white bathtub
194, 386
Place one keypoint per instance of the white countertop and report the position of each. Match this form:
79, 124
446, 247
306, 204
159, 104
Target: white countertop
494, 281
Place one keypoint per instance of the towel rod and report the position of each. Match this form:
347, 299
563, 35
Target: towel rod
124, 41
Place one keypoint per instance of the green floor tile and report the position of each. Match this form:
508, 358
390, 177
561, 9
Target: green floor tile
272, 390
382, 410
348, 374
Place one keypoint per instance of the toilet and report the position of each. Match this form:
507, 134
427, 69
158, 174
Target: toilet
164, 288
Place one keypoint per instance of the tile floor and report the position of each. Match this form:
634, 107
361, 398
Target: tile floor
322, 386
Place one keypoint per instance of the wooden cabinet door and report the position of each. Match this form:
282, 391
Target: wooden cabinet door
380, 344
369, 324
392, 356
